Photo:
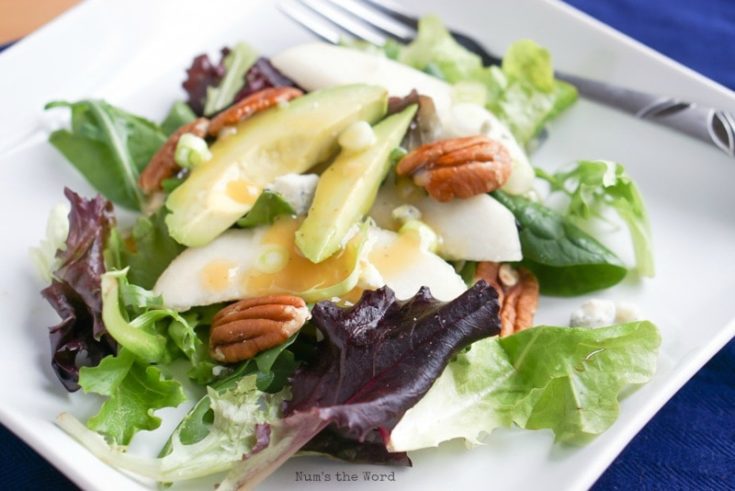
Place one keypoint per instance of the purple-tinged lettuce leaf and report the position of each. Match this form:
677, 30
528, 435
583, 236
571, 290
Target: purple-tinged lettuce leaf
263, 75
377, 359
201, 75
80, 339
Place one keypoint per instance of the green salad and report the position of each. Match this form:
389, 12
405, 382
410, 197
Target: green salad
339, 250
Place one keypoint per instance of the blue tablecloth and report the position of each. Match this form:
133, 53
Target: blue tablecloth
690, 444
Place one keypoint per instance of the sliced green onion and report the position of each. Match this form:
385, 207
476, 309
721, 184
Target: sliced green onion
191, 151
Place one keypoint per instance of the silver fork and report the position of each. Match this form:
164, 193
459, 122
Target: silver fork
375, 21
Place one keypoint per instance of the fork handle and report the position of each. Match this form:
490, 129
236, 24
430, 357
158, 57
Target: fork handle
705, 123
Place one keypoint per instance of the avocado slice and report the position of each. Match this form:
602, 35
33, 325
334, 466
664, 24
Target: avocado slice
281, 140
347, 189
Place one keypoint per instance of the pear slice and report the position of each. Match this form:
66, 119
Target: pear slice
479, 228
405, 265
256, 262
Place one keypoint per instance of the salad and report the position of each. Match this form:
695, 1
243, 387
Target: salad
339, 250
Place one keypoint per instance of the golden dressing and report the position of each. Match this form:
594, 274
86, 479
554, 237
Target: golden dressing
298, 273
391, 260
216, 275
242, 191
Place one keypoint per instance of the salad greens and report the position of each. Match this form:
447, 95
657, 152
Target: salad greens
133, 390
241, 416
267, 208
364, 380
142, 335
522, 93
236, 63
146, 251
110, 147
566, 260
80, 339
564, 379
592, 186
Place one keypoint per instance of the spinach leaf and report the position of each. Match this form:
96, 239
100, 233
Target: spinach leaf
267, 207
147, 250
566, 260
593, 185
110, 147
179, 114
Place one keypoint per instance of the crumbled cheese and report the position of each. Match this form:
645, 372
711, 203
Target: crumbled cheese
297, 189
627, 312
357, 136
593, 313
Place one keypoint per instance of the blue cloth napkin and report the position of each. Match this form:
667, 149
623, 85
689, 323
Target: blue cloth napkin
690, 444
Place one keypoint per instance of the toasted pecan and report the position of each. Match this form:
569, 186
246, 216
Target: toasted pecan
242, 330
458, 167
252, 104
518, 298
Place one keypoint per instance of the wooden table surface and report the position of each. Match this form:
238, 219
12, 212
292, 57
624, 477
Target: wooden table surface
20, 17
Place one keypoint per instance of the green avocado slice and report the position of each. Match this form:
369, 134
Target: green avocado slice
347, 189
284, 139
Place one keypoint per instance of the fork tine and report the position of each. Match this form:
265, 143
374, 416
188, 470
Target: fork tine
376, 19
392, 11
296, 12
343, 21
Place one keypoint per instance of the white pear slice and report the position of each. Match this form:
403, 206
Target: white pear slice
319, 65
206, 275
257, 262
405, 266
248, 263
476, 229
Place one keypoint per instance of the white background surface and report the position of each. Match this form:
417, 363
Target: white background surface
134, 54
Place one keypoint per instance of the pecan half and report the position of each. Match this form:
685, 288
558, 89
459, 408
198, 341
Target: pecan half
163, 166
458, 167
518, 291
242, 330
254, 103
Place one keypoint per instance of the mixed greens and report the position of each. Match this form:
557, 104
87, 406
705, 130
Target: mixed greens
402, 350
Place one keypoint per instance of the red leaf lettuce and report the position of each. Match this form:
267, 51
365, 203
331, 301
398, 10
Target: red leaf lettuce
377, 359
80, 339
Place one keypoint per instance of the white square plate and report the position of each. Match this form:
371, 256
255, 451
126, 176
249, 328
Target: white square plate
133, 53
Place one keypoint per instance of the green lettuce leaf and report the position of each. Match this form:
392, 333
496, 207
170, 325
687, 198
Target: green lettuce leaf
524, 93
110, 147
137, 320
239, 426
237, 62
566, 260
265, 210
565, 379
435, 50
133, 390
593, 185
